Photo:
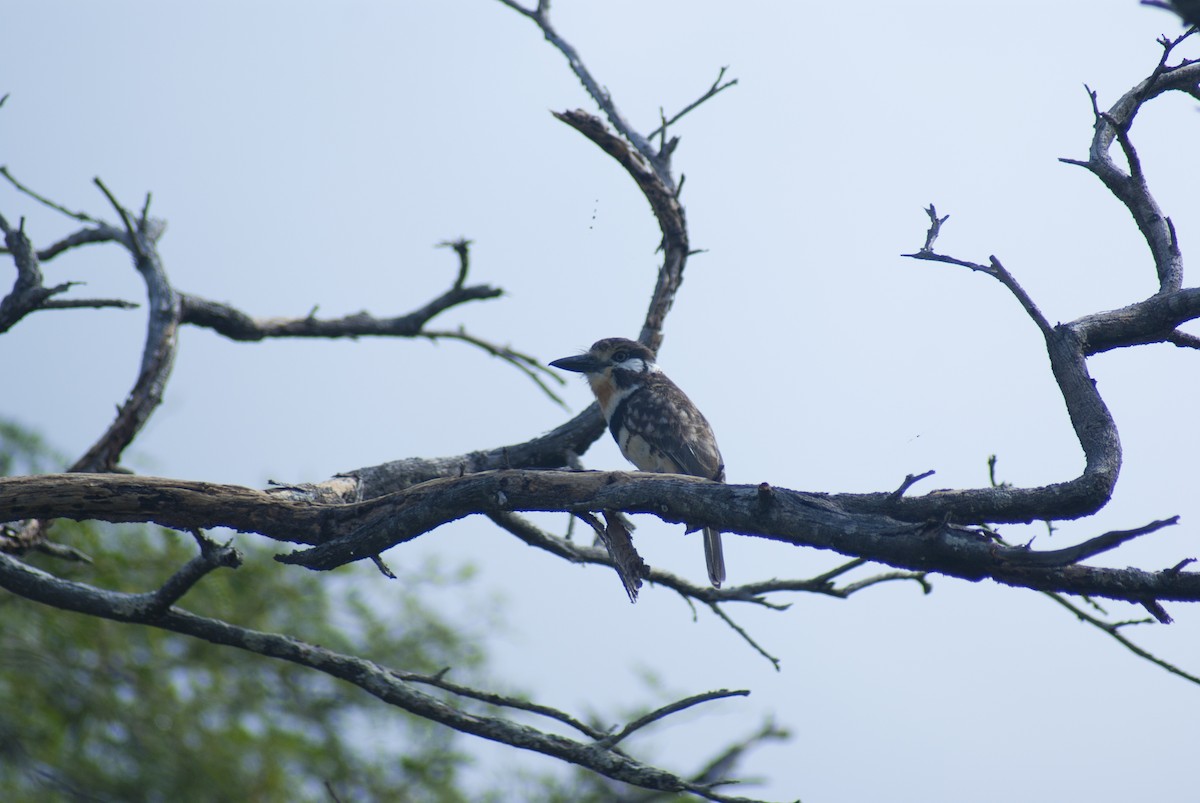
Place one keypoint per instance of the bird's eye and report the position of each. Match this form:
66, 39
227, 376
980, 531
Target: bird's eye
620, 356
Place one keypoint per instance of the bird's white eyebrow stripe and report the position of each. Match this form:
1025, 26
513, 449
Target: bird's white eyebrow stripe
639, 366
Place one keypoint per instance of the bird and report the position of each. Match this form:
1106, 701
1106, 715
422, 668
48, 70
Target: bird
655, 424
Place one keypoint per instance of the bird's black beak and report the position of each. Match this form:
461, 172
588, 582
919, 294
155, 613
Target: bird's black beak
580, 364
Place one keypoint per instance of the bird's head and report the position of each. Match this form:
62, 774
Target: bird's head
611, 356
613, 367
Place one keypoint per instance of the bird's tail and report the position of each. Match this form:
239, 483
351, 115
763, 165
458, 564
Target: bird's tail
714, 556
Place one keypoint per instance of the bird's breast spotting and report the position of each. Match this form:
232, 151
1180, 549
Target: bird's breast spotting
643, 453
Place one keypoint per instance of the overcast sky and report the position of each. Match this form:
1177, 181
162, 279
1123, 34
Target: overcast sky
313, 154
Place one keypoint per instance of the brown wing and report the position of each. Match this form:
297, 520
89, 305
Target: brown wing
659, 421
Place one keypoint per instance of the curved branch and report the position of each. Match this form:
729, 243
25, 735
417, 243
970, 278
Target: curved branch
158, 354
377, 680
667, 710
1068, 345
88, 236
1130, 186
541, 16
1090, 418
652, 172
667, 211
650, 169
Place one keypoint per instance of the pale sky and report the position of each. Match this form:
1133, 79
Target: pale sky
313, 154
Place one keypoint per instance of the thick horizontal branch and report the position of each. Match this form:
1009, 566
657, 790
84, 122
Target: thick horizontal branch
345, 533
180, 504
1154, 320
558, 448
778, 514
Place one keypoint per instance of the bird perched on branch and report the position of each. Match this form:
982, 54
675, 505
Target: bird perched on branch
654, 422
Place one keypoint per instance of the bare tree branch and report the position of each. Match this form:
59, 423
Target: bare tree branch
1113, 629
439, 681
650, 169
532, 367
541, 16
1183, 340
89, 303
237, 325
909, 481
379, 681
349, 532
361, 513
75, 240
997, 271
462, 247
666, 711
716, 88
1130, 187
667, 210
1095, 546
28, 293
1151, 321
211, 556
80, 216
158, 354
1093, 424
753, 593
741, 631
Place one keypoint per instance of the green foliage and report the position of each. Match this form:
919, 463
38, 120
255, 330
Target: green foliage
23, 452
97, 710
